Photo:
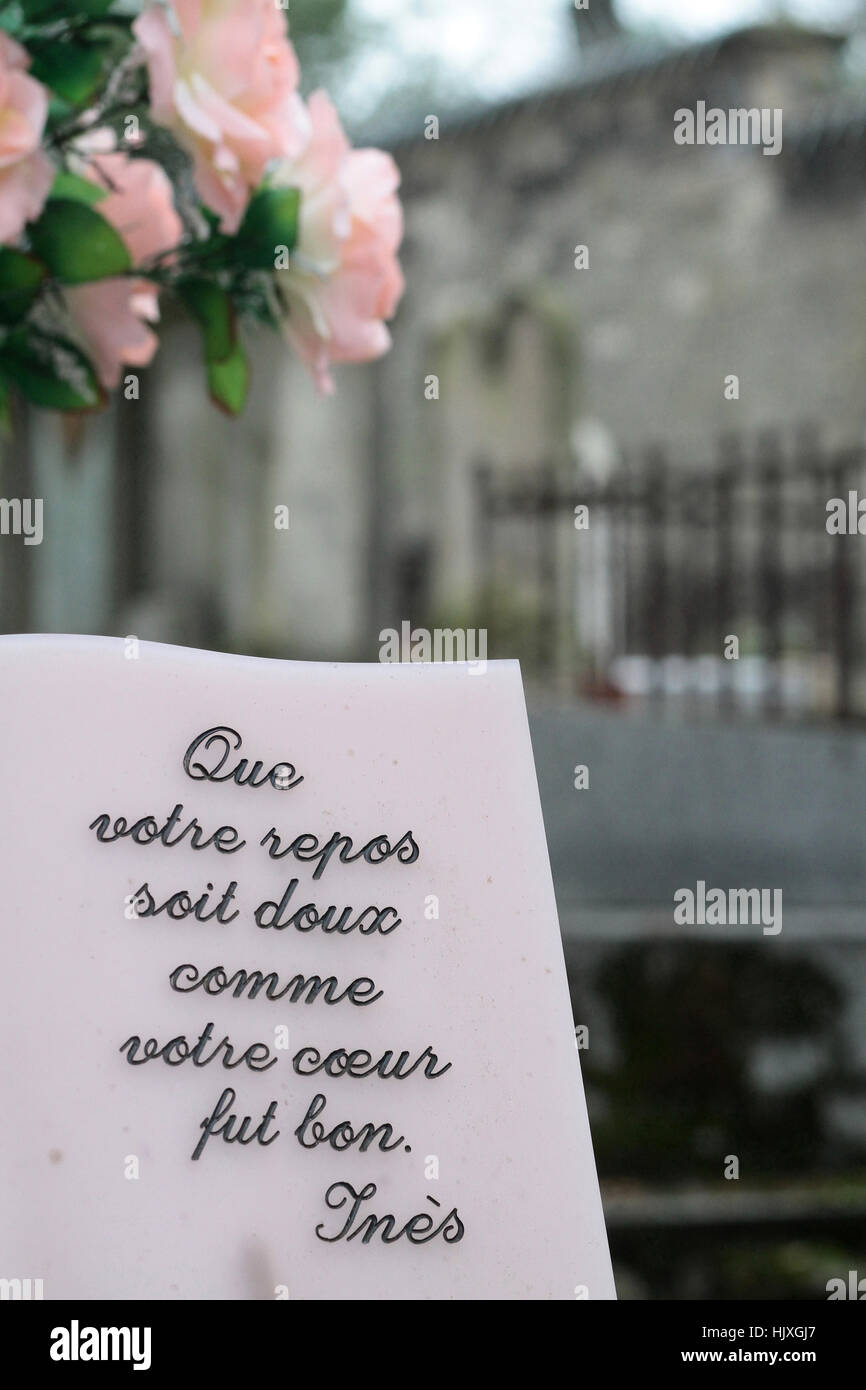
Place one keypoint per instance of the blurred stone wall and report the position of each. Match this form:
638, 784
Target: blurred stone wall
703, 261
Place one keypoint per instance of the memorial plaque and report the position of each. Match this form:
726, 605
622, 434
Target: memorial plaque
285, 1012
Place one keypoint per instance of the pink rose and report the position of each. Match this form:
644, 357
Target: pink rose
26, 172
345, 278
226, 84
112, 315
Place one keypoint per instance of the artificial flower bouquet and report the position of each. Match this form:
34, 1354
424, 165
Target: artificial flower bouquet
168, 151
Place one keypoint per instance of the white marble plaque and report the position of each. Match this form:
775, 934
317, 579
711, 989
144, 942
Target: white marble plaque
284, 1009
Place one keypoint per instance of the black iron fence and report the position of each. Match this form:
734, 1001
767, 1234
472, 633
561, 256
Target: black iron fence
735, 582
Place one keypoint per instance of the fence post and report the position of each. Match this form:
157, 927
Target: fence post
843, 600
811, 540
729, 471
483, 526
656, 613
17, 561
547, 625
770, 568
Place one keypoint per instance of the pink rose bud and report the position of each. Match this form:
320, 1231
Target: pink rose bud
226, 85
26, 172
112, 316
344, 279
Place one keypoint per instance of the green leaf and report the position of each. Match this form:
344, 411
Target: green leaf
50, 372
225, 360
228, 381
77, 244
21, 279
271, 221
212, 309
71, 68
68, 185
11, 18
